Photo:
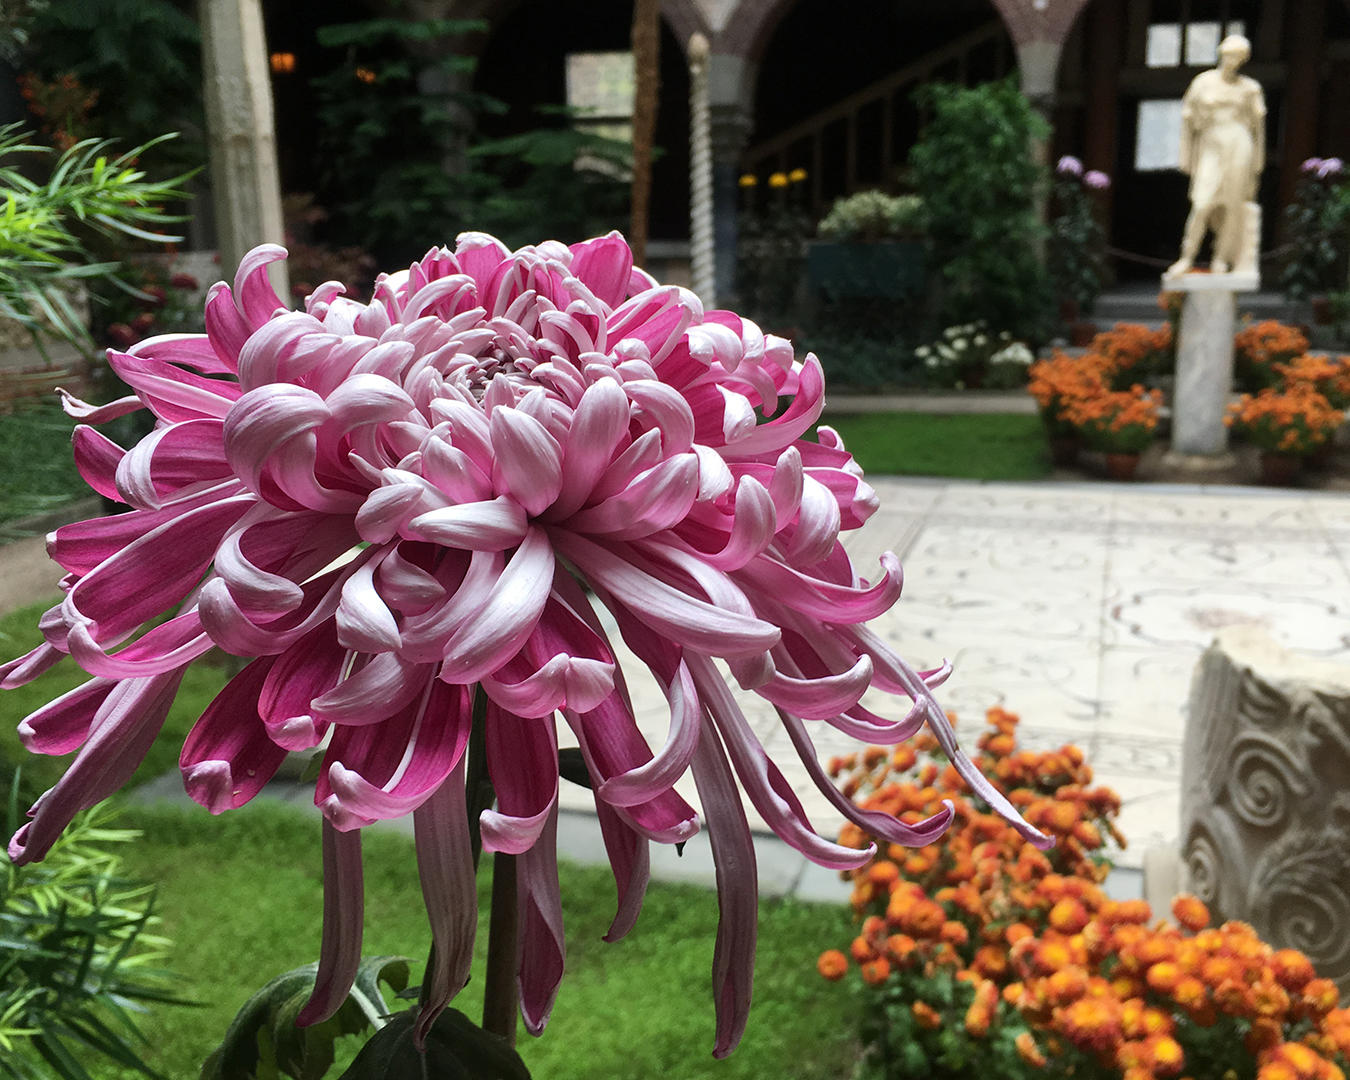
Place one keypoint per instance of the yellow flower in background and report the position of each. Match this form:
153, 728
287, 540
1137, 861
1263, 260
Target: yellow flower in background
748, 180
778, 180
796, 176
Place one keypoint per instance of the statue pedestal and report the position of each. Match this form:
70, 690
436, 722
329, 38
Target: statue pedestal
1204, 369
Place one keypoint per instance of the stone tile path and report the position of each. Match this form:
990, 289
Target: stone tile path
1084, 607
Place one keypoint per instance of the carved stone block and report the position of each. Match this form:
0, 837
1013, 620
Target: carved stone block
1265, 813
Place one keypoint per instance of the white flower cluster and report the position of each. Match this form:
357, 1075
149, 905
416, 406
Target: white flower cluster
1016, 353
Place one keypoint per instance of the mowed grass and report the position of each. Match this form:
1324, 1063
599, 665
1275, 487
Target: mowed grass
19, 634
37, 469
241, 897
974, 446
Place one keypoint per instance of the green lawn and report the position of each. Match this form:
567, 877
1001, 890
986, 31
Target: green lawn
975, 446
241, 896
18, 634
37, 471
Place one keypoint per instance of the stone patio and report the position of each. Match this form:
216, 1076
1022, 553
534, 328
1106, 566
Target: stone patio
1084, 608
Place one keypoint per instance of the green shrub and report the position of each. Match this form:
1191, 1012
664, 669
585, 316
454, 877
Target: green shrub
974, 168
76, 958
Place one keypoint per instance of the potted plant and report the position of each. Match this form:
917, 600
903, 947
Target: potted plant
965, 356
1259, 347
1077, 244
1119, 423
869, 247
1329, 376
1056, 383
1136, 351
1317, 224
1286, 425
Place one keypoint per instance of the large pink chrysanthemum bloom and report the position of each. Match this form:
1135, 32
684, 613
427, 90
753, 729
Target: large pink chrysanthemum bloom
388, 505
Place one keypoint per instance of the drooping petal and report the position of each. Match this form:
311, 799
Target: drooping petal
733, 972
126, 723
540, 948
522, 759
630, 859
343, 924
445, 866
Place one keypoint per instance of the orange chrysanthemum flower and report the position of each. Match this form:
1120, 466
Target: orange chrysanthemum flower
832, 964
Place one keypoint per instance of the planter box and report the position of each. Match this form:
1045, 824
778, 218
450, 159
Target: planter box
891, 269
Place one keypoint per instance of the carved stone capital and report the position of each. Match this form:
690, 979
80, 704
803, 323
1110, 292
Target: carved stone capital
1266, 795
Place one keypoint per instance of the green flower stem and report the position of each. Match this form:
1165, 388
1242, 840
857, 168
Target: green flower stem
499, 990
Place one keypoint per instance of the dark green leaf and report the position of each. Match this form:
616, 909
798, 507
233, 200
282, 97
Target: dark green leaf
572, 766
456, 1049
263, 1039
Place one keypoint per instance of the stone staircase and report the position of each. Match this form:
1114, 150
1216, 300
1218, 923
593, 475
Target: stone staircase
1137, 302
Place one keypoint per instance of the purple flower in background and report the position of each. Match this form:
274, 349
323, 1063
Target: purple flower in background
1069, 165
1311, 164
1332, 166
392, 508
1096, 179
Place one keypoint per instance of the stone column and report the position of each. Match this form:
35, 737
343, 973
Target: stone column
1265, 804
731, 81
243, 157
1204, 365
702, 252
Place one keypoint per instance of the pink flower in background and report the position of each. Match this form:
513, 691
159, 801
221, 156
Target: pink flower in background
1069, 165
391, 508
1329, 167
1096, 179
1311, 164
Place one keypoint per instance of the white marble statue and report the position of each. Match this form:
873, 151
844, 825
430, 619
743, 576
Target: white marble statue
1223, 141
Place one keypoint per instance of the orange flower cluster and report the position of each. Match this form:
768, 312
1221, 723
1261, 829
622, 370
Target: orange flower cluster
1258, 347
1060, 380
1295, 420
1120, 421
984, 936
1134, 348
1329, 376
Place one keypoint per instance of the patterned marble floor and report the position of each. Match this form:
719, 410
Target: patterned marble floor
1084, 608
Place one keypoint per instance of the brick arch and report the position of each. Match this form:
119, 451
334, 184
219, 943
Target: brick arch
751, 23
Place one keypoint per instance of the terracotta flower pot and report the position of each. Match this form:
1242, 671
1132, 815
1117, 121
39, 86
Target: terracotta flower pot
1082, 333
1121, 466
1279, 470
1320, 456
1064, 449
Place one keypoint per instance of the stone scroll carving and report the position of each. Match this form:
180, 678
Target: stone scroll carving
1266, 796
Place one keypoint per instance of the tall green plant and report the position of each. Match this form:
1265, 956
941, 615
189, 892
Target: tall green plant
46, 227
975, 169
77, 958
1318, 223
143, 58
402, 167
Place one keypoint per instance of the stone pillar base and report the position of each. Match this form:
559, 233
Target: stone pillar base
1200, 466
